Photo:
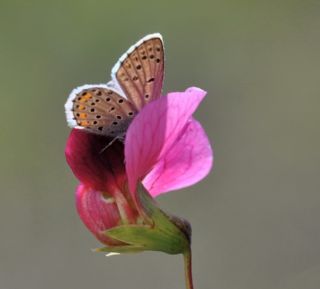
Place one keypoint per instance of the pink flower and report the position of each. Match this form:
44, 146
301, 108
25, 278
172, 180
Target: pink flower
165, 149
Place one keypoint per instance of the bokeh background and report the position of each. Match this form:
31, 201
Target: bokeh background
256, 218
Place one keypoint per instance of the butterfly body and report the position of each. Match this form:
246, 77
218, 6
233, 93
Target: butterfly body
136, 79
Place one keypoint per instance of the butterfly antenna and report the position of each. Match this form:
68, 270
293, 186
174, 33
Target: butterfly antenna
118, 137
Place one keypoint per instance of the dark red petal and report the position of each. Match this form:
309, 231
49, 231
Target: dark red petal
93, 162
98, 213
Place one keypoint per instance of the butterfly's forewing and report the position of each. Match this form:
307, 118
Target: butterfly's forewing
99, 109
140, 71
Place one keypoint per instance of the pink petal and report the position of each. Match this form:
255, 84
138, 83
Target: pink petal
91, 163
97, 212
156, 129
188, 161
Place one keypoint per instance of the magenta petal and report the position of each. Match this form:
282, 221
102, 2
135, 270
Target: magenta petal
188, 161
156, 129
97, 212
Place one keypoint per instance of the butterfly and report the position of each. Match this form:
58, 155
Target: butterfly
136, 79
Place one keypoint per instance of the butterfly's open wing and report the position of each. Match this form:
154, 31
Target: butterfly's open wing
139, 72
99, 109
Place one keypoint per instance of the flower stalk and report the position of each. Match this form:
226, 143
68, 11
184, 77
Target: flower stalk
187, 257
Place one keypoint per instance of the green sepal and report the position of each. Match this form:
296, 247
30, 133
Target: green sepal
162, 232
120, 249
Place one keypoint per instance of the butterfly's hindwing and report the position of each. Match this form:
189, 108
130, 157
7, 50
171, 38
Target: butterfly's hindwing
101, 110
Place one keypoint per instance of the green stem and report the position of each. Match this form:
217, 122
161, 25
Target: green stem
188, 268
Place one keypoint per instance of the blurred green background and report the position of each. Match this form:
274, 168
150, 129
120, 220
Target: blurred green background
255, 218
